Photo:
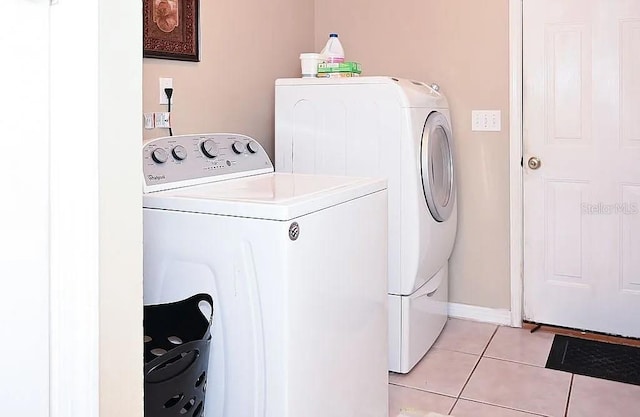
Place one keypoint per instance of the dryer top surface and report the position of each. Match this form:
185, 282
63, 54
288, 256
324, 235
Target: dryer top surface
412, 93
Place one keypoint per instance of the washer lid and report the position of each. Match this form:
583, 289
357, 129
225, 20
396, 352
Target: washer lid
438, 182
276, 196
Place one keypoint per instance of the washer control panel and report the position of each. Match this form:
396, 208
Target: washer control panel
180, 161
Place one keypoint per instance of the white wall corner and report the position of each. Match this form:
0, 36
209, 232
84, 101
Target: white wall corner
516, 204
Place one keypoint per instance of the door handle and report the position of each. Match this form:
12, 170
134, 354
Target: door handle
534, 162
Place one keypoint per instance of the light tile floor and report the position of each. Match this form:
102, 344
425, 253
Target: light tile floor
482, 370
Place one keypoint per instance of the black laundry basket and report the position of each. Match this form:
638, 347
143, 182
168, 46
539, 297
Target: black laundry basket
177, 339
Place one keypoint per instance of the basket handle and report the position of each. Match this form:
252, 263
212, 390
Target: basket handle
198, 298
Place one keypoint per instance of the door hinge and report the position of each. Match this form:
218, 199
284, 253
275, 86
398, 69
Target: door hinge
522, 162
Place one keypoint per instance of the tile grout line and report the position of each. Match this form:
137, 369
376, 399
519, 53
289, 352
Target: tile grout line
477, 363
514, 362
474, 369
520, 363
457, 397
453, 406
566, 408
423, 390
503, 407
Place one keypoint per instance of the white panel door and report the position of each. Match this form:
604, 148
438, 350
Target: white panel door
24, 208
581, 75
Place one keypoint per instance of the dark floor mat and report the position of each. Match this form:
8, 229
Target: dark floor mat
597, 359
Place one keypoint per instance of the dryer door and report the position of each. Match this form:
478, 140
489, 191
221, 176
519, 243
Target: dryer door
436, 166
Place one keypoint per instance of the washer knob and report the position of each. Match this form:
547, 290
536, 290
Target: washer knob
238, 147
159, 155
179, 152
253, 147
209, 148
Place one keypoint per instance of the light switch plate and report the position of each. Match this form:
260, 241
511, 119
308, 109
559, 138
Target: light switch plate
149, 121
486, 120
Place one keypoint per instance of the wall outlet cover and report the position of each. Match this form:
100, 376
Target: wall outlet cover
163, 119
165, 83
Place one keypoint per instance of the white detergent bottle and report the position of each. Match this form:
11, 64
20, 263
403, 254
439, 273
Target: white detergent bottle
333, 51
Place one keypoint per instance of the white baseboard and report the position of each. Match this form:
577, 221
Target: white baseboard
477, 313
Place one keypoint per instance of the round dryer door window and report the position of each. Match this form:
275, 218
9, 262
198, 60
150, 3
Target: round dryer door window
436, 163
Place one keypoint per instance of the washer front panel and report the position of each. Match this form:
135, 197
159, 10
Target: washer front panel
436, 166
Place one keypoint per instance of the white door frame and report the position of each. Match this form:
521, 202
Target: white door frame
516, 200
96, 209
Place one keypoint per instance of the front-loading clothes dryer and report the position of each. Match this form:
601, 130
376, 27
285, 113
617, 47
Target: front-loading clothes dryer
296, 265
399, 129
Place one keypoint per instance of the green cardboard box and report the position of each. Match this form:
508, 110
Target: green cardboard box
353, 67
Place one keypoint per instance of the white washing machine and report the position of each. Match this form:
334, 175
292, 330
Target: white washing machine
297, 268
400, 129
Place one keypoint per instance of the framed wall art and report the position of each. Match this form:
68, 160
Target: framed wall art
171, 29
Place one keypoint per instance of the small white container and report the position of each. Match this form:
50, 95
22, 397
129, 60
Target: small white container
309, 64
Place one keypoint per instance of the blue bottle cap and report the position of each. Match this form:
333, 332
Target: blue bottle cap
333, 35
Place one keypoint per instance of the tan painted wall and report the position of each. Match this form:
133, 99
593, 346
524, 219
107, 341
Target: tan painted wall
244, 46
463, 46
460, 44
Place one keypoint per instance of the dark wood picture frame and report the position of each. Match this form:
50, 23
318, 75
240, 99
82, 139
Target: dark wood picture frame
171, 29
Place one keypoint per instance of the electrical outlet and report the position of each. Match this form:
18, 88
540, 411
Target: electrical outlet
165, 83
163, 119
486, 120
149, 121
